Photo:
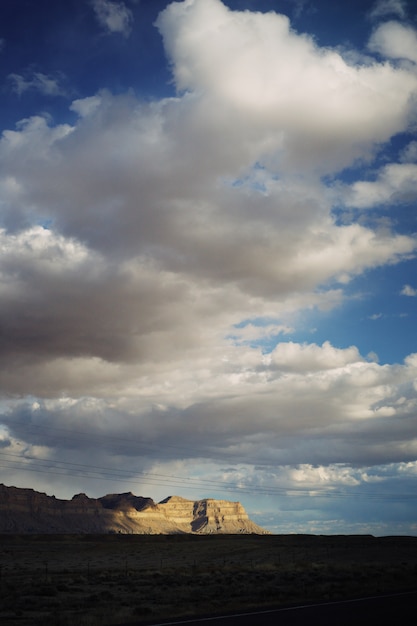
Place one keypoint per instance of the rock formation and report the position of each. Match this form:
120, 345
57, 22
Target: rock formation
28, 511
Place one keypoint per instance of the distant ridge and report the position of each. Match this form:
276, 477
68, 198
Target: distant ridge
29, 511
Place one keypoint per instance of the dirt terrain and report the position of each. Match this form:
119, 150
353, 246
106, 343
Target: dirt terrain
93, 580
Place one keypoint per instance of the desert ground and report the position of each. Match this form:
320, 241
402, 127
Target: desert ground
95, 580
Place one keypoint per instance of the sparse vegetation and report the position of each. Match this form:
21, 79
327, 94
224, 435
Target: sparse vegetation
99, 580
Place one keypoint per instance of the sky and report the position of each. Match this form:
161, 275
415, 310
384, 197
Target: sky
208, 245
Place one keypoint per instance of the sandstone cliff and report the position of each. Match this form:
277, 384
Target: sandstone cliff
28, 511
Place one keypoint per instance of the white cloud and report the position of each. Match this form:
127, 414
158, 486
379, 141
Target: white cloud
32, 136
407, 290
68, 175
395, 41
383, 8
311, 357
115, 17
396, 183
123, 180
150, 249
331, 476
254, 65
119, 179
240, 410
252, 333
86, 106
44, 84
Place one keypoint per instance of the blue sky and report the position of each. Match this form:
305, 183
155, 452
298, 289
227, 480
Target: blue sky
208, 255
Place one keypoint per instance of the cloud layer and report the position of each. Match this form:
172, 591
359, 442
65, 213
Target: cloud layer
150, 250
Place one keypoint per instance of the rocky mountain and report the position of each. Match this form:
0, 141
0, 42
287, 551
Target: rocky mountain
29, 511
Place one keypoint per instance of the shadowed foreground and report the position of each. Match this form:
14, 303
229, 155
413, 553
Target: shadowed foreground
96, 580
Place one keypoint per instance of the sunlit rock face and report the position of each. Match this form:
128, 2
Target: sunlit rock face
28, 511
209, 516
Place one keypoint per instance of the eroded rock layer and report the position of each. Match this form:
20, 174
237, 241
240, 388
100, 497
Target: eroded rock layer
28, 511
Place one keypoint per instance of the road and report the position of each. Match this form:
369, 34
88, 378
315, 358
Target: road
390, 610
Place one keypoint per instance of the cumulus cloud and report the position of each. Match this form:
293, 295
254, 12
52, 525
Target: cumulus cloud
115, 17
337, 408
254, 65
227, 240
395, 41
395, 183
154, 256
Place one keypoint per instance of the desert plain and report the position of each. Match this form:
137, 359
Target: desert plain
95, 580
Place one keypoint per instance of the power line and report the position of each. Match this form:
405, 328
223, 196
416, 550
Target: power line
78, 468
120, 475
109, 474
74, 433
